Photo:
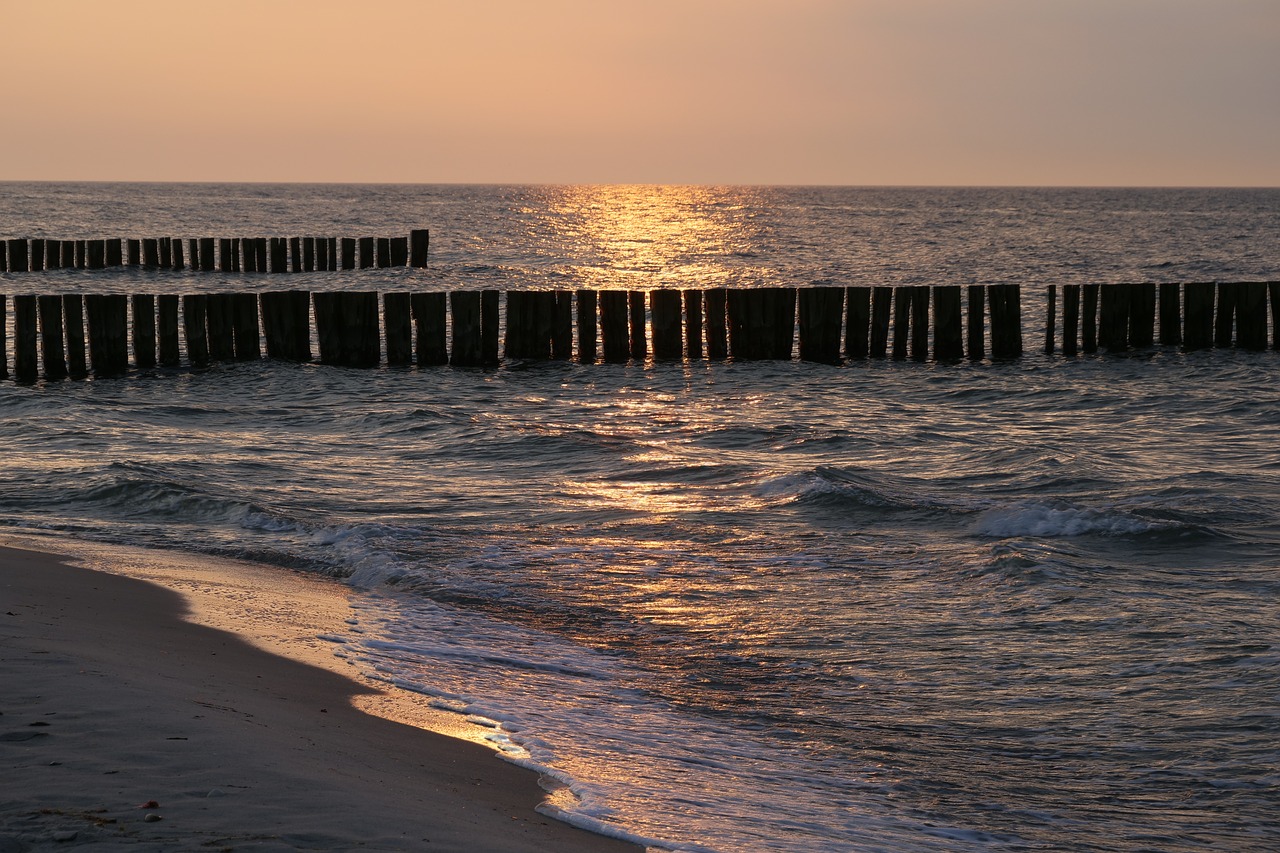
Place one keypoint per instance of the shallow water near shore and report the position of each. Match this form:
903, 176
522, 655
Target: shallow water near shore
747, 606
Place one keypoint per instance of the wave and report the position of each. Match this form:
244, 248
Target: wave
1053, 519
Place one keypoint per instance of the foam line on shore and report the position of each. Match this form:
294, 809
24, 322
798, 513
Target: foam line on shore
112, 701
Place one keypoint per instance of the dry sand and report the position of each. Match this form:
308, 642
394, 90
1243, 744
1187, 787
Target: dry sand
124, 726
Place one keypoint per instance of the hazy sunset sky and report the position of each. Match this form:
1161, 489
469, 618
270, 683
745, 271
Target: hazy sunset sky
960, 92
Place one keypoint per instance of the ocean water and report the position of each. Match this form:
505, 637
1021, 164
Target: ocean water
767, 606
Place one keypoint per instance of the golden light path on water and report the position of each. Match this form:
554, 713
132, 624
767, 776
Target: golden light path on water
650, 236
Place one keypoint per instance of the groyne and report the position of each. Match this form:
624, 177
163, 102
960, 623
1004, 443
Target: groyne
57, 336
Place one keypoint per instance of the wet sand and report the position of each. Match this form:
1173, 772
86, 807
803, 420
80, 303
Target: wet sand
124, 725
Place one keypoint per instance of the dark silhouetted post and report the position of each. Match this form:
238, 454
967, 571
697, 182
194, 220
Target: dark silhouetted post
948, 324
51, 337
193, 322
1198, 316
920, 323
384, 252
366, 253
1071, 319
587, 326
464, 309
429, 310
1170, 315
399, 251
857, 321
133, 255
279, 255
308, 254
73, 324
902, 299
18, 261
1142, 315
1089, 329
244, 325
821, 315
348, 253
1224, 319
151, 253
881, 310
25, 365
636, 321
1251, 316
717, 332
396, 320
37, 254
667, 332
167, 325
419, 242
693, 323
562, 325
489, 302
1051, 318
614, 335
144, 329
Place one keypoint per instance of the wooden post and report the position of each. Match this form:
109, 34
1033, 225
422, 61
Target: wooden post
68, 254
587, 326
18, 256
717, 333
329, 327
366, 252
465, 314
1113, 327
1070, 319
1224, 319
614, 336
396, 310
225, 254
194, 309
167, 325
133, 253
52, 255
737, 313
82, 254
692, 323
857, 321
322, 254
514, 342
166, 253
1089, 329
4, 334
562, 329
948, 324
1142, 315
333, 253
920, 323
384, 252
881, 310
295, 254
1170, 315
902, 299
286, 324
51, 338
667, 333
4, 255
821, 315
144, 329
1251, 315
399, 251
429, 319
308, 254
151, 253
279, 255
73, 324
1198, 328
244, 326
348, 253
96, 253
782, 316
1051, 317
260, 253
37, 254
488, 326
636, 323
25, 365
544, 324
419, 242
108, 318
193, 255
206, 254
218, 326
360, 321
1273, 291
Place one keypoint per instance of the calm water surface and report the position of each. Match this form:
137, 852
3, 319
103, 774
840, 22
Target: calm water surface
741, 607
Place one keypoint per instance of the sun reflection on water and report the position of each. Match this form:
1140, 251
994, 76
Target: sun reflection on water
644, 237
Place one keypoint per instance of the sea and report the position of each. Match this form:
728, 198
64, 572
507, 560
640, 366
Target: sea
742, 606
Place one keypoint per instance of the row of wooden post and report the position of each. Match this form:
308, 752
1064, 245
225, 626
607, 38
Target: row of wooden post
1193, 316
228, 254
362, 330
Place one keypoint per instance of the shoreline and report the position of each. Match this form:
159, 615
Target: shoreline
113, 700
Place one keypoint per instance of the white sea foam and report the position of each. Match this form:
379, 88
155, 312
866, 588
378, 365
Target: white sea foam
1036, 518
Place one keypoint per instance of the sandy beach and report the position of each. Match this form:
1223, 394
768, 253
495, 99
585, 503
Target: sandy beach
122, 725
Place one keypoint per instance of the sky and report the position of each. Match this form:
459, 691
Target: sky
852, 92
